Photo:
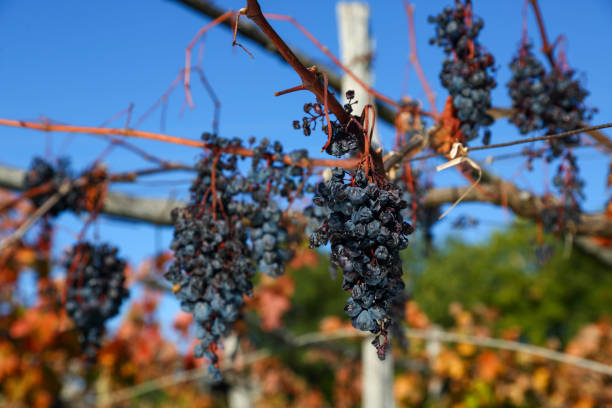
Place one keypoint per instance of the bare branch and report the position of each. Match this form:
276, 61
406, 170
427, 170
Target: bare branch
40, 211
522, 202
249, 31
151, 210
415, 144
308, 76
160, 137
385, 113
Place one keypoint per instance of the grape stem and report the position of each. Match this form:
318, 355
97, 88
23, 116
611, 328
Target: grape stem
547, 49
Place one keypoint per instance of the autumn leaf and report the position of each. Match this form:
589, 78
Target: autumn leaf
540, 379
181, 323
466, 349
489, 365
333, 323
303, 257
272, 307
415, 316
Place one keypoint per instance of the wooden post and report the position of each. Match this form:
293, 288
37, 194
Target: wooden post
356, 52
239, 396
433, 347
376, 377
240, 392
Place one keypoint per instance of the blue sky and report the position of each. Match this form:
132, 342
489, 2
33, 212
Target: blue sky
82, 62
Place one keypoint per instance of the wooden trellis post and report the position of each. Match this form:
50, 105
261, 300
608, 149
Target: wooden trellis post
356, 53
376, 377
356, 50
241, 391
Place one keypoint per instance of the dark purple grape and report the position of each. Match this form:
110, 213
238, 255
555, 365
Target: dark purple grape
222, 237
466, 72
365, 250
96, 290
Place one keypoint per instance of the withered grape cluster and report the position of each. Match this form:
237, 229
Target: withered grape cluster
342, 141
552, 101
567, 110
267, 236
48, 179
366, 231
315, 113
466, 71
230, 228
267, 178
527, 90
96, 289
41, 172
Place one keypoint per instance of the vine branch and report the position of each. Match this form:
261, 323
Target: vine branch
248, 30
237, 150
385, 113
547, 49
308, 77
522, 202
415, 59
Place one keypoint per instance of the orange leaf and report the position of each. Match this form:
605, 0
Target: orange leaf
25, 255
489, 365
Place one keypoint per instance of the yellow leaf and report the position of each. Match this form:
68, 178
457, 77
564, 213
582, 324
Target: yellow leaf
466, 349
540, 379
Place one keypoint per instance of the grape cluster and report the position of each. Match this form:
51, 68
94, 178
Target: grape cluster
315, 113
466, 70
96, 290
41, 172
78, 198
527, 90
316, 216
366, 231
216, 249
552, 101
267, 235
212, 271
566, 110
268, 178
342, 141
